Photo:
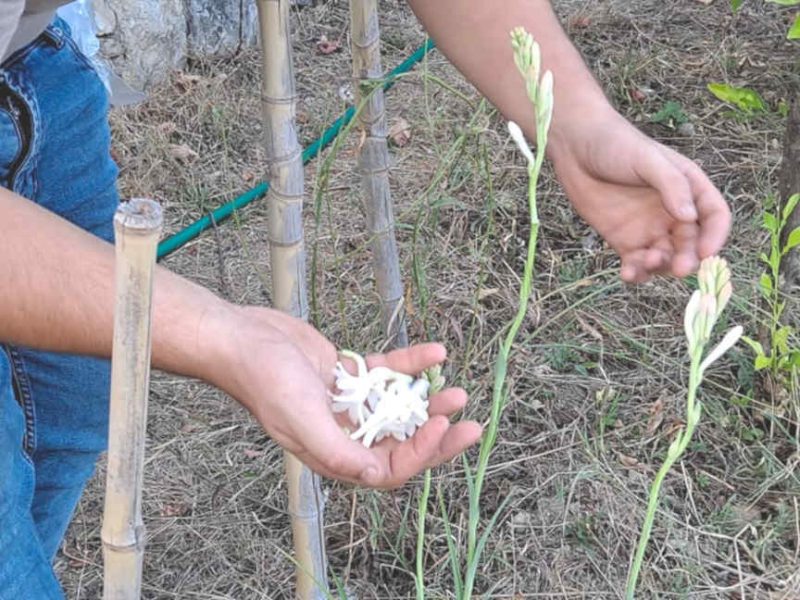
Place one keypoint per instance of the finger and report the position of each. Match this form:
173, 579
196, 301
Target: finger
633, 268
412, 360
684, 238
456, 440
447, 402
404, 460
657, 260
328, 447
656, 169
715, 214
434, 443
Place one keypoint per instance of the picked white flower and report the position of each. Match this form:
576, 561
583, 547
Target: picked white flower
382, 402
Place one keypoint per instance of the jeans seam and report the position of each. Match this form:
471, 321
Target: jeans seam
22, 387
73, 46
26, 138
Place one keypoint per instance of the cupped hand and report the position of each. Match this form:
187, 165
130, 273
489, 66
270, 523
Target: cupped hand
656, 208
282, 370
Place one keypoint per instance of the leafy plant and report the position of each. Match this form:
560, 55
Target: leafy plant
782, 358
702, 312
671, 115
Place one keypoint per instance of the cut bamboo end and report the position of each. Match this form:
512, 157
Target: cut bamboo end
139, 216
137, 226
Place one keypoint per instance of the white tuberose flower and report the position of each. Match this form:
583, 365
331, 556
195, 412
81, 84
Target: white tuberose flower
519, 138
354, 389
381, 401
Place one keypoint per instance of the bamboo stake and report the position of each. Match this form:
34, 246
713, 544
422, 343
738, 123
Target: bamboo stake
285, 228
373, 162
137, 226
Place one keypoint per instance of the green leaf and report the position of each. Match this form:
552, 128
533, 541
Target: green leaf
794, 30
793, 240
789, 207
671, 115
765, 284
744, 98
770, 222
785, 2
781, 339
764, 258
762, 362
735, 4
756, 346
795, 358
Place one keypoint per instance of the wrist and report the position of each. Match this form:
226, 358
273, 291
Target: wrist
219, 333
572, 124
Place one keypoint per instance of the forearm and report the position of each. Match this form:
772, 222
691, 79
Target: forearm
475, 38
57, 293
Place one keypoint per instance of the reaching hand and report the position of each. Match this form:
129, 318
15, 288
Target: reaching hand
281, 369
653, 206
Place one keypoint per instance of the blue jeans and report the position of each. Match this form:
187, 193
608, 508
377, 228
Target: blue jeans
54, 150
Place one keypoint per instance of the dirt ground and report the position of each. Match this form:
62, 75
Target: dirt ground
597, 377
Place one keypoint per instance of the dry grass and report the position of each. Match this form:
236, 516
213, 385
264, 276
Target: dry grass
579, 442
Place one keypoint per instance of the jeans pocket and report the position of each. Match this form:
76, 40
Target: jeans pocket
16, 124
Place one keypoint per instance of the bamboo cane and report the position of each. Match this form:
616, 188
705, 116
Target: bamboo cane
373, 163
137, 227
285, 229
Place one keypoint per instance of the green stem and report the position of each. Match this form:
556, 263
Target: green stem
422, 509
684, 437
501, 367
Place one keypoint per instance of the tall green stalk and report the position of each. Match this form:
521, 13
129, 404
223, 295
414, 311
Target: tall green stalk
702, 312
540, 91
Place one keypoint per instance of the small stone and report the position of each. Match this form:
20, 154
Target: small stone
686, 129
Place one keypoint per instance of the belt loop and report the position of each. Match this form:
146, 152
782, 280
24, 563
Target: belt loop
54, 34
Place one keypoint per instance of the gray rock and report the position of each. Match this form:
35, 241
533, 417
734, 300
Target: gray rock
144, 40
220, 27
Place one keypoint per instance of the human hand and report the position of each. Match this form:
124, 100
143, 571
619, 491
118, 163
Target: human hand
652, 205
281, 370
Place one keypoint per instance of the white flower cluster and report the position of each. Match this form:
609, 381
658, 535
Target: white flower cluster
381, 401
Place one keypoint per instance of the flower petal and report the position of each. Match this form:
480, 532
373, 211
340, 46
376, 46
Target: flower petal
519, 139
690, 316
726, 344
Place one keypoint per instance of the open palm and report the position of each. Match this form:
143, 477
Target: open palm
284, 374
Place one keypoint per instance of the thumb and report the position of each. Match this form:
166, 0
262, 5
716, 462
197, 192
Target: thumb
657, 170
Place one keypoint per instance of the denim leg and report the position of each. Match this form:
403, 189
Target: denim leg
69, 171
25, 571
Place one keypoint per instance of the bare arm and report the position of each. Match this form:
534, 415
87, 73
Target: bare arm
58, 287
655, 207
475, 38
57, 291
